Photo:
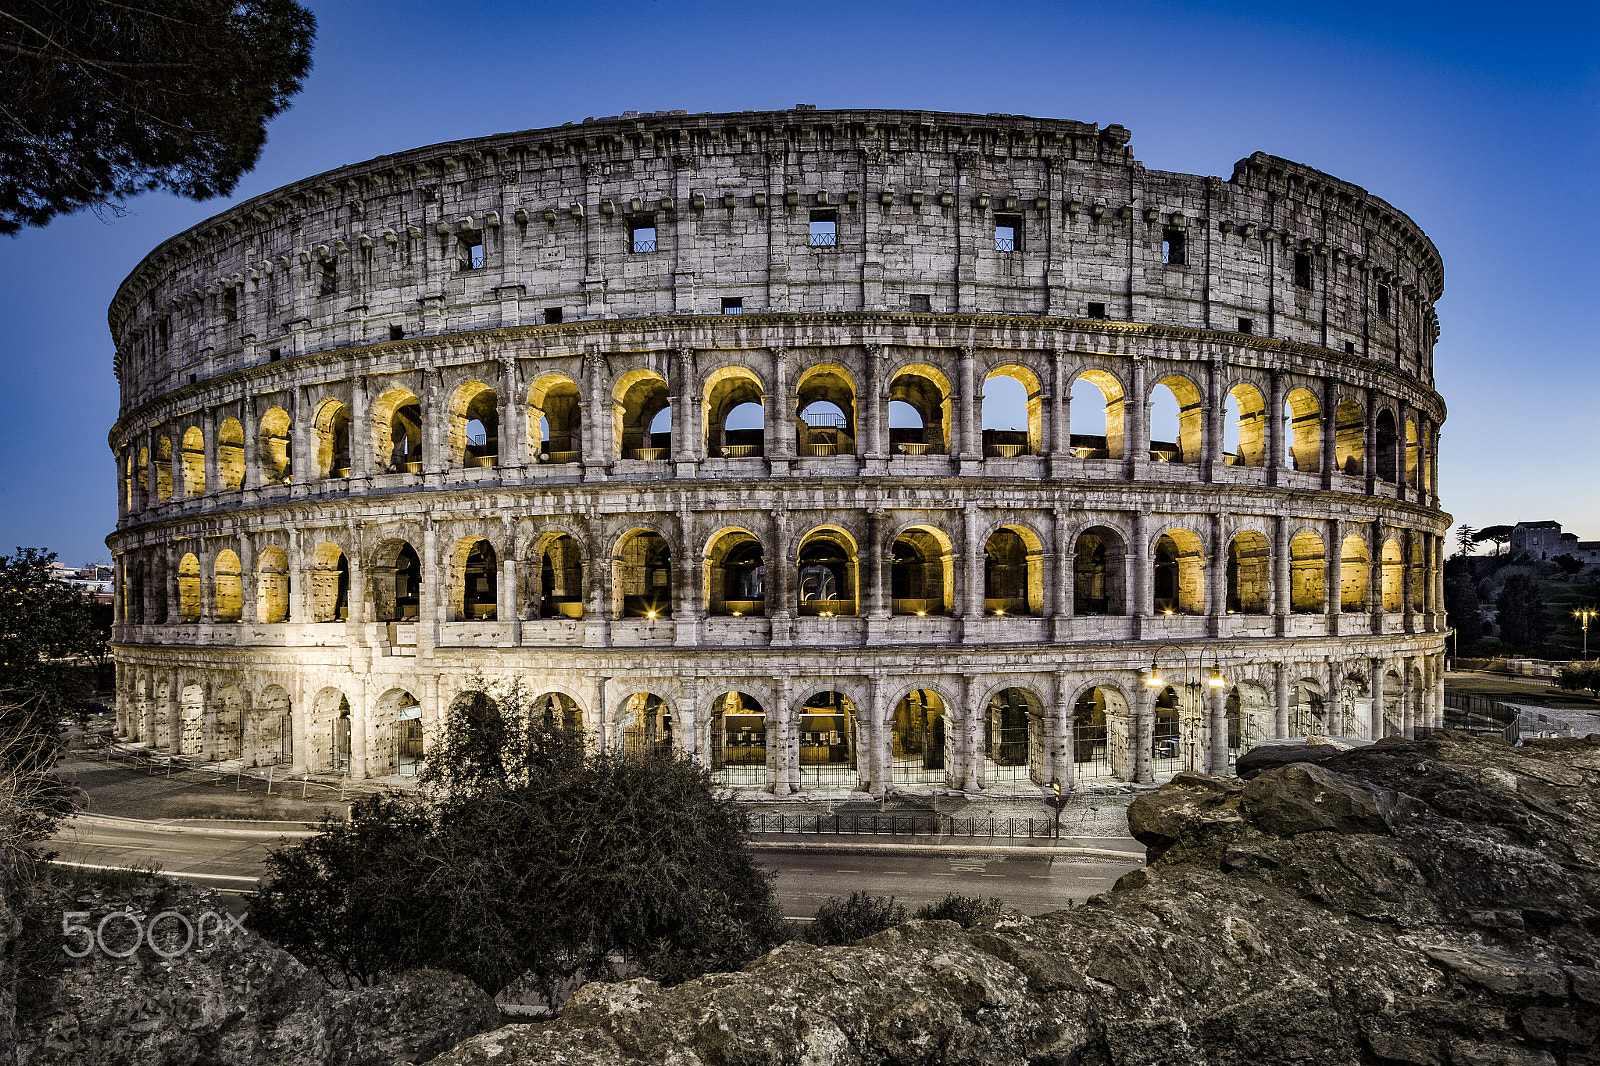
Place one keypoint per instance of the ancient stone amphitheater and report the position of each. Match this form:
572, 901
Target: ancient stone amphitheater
847, 450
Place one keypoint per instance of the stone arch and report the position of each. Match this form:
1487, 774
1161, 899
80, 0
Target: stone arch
164, 468
1097, 401
925, 393
191, 719
269, 729
1354, 575
1248, 426
1099, 572
396, 582
827, 572
1100, 730
191, 597
735, 573
472, 430
1026, 399
642, 395
922, 737
1413, 455
1302, 416
328, 732
141, 476
1393, 720
330, 584
228, 709
1248, 709
555, 419
194, 462
396, 423
1387, 443
272, 585
559, 709
1307, 574
474, 580
275, 447
230, 454
922, 571
1249, 573
1357, 707
558, 561
1307, 709
1349, 439
332, 426
644, 723
1013, 571
1014, 747
826, 723
737, 734
728, 389
641, 580
1178, 573
227, 585
1187, 426
818, 431
1393, 577
395, 739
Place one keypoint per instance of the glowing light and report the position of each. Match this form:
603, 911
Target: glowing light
649, 614
1216, 680
738, 614
922, 614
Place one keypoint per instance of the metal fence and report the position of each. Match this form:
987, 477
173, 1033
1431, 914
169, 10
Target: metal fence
887, 823
1482, 715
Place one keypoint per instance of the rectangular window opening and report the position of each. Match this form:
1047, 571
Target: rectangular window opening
1302, 270
1247, 325
1097, 310
552, 316
1008, 233
274, 355
330, 277
1349, 347
1383, 301
472, 253
733, 305
230, 305
824, 229
397, 333
642, 235
921, 302
1173, 252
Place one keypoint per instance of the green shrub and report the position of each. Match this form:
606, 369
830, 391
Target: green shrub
963, 910
843, 921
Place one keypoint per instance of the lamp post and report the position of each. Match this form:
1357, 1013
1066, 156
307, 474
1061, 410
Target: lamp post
1214, 681
1583, 614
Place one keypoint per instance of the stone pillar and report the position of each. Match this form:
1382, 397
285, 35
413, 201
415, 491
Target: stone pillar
686, 583
1213, 437
435, 415
1375, 689
1141, 735
1333, 574
685, 728
971, 747
508, 609
1216, 577
1058, 412
1140, 591
428, 597
1408, 557
1437, 583
971, 426
362, 708
1330, 427
878, 595
1280, 576
175, 466
686, 416
1063, 755
972, 601
356, 561
783, 756
780, 580
209, 748
1333, 704
875, 433
174, 736
600, 721
360, 432
1136, 422
1218, 699
1280, 715
880, 754
1408, 695
248, 585
252, 444
208, 419
1375, 576
781, 425
1275, 429
1063, 589
595, 420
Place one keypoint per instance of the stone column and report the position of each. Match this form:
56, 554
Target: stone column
509, 607
1275, 428
428, 597
972, 750
780, 580
595, 420
686, 416
1375, 575
362, 708
1408, 695
360, 432
513, 420
209, 749
878, 598
1375, 688
1330, 427
1333, 703
1063, 589
1136, 423
1218, 698
687, 576
1058, 408
1063, 755
685, 728
600, 720
1333, 579
1213, 438
208, 419
252, 444
971, 426
783, 414
1217, 575
972, 602
874, 431
1280, 716
784, 756
1140, 591
1408, 557
1369, 443
1141, 735
174, 713
249, 610
880, 753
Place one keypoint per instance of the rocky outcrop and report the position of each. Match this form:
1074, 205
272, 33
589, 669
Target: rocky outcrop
234, 1000
1422, 903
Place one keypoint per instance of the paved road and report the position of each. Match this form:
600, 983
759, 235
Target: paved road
1035, 882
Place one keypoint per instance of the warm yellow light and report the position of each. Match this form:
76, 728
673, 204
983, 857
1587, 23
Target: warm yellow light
922, 614
827, 614
1215, 680
998, 611
1167, 611
649, 614
1151, 678
738, 614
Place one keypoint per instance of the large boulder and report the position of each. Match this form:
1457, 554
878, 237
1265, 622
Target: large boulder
1434, 902
233, 999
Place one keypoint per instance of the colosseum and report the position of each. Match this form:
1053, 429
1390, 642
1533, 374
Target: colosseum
1068, 471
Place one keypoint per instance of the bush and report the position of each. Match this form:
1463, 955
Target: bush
963, 910
843, 921
1581, 677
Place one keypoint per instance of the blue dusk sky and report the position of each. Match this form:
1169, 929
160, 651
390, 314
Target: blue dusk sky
1479, 121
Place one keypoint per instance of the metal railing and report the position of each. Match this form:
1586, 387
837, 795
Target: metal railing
1005, 244
916, 823
1481, 715
641, 247
824, 240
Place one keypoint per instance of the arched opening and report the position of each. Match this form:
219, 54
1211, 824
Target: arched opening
827, 741
920, 741
1179, 572
194, 462
825, 412
190, 594
397, 432
1354, 576
227, 585
1099, 734
476, 581
1099, 585
1168, 733
643, 581
646, 721
1014, 746
160, 726
1302, 417
274, 449
1244, 426
1349, 439
919, 412
557, 710
1357, 710
922, 573
733, 414
1393, 577
555, 416
141, 477
645, 428
473, 432
1175, 421
329, 733
230, 454
191, 720
1097, 416
1307, 714
227, 704
736, 575
1249, 713
1013, 579
396, 582
1393, 706
827, 574
738, 741
1249, 573
164, 468
272, 585
560, 578
396, 738
269, 731
1307, 567
1012, 412
330, 584
1387, 442
135, 602
159, 607
332, 424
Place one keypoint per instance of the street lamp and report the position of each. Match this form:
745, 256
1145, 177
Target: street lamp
1583, 614
1196, 678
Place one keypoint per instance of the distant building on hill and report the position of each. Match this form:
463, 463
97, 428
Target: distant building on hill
1544, 540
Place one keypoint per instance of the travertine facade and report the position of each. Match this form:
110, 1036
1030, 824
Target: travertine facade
412, 426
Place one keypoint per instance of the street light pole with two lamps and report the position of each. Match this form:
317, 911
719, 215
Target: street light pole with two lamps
1214, 682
